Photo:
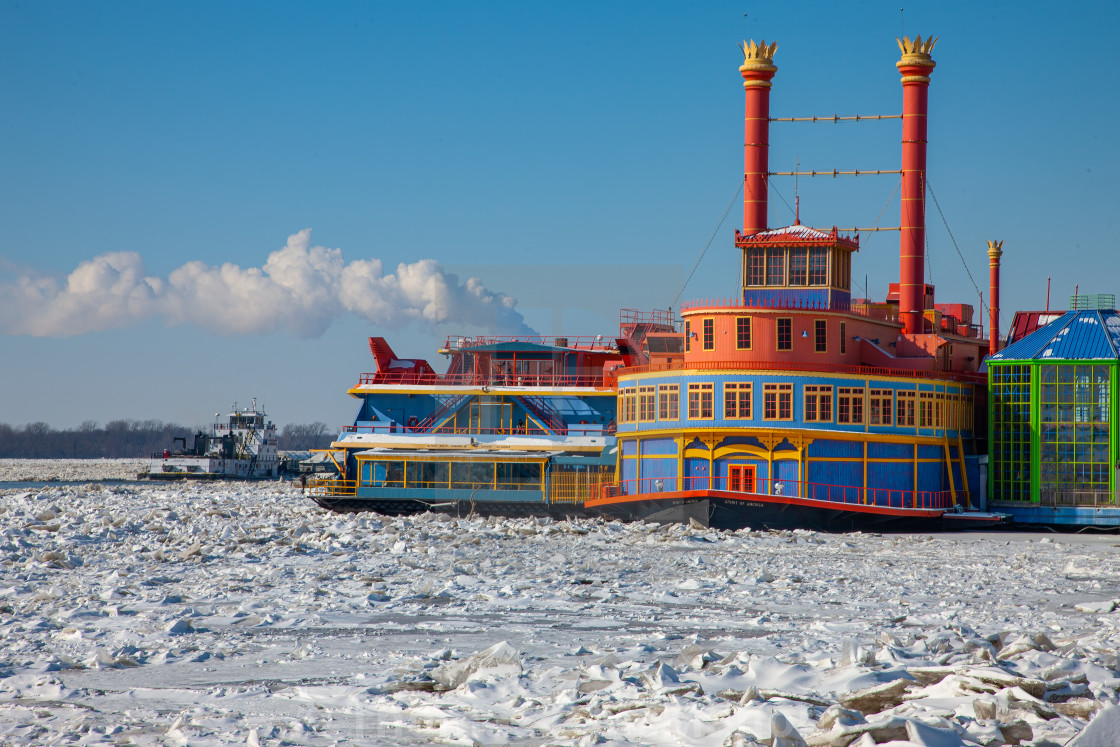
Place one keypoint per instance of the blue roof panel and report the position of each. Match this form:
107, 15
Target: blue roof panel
1076, 335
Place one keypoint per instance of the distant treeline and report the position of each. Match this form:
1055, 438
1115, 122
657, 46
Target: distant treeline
128, 438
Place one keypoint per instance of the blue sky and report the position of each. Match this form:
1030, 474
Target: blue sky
572, 156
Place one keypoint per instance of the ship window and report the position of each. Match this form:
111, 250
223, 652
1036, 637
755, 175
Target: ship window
820, 335
737, 400
755, 272
925, 410
518, 475
843, 338
818, 266
709, 334
818, 404
627, 410
669, 407
647, 401
428, 474
879, 405
775, 267
785, 334
743, 333
388, 474
687, 336
700, 402
798, 266
471, 475
849, 405
777, 401
906, 407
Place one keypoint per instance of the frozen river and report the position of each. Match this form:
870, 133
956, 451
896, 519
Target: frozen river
243, 614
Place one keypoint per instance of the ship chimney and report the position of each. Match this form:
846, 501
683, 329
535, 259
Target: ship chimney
757, 70
995, 251
915, 67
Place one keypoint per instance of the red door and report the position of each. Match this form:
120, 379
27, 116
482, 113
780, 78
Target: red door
741, 478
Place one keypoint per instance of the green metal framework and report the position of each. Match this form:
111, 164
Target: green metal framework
1053, 431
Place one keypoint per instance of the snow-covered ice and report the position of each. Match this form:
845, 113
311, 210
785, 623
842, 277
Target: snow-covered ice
48, 470
211, 614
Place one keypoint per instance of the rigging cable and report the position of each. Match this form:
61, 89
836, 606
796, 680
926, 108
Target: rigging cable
878, 218
781, 197
715, 230
886, 205
983, 305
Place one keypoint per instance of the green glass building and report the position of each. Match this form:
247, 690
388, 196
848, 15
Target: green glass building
1054, 422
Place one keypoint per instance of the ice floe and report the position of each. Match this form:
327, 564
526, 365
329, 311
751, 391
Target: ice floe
212, 614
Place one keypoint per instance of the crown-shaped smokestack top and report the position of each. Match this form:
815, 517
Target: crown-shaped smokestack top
758, 58
916, 53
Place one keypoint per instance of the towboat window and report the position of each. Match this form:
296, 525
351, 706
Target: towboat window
843, 338
709, 334
820, 335
687, 336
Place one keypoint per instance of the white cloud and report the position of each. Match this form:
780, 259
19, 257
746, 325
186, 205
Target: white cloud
301, 289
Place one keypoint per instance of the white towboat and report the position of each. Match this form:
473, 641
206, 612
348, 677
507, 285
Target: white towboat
243, 448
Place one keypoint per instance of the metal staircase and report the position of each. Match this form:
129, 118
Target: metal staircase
441, 414
544, 412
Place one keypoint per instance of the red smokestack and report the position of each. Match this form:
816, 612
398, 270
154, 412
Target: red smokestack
995, 251
915, 67
757, 70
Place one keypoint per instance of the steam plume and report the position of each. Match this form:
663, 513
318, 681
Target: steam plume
300, 289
